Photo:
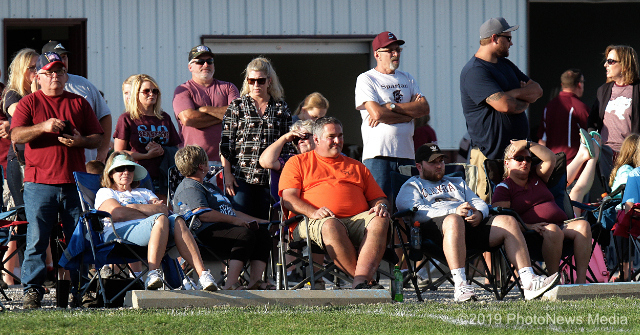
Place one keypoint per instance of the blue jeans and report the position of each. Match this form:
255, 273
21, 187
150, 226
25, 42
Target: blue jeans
45, 206
252, 199
381, 168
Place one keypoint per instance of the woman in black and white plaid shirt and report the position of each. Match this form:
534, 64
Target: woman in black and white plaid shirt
252, 123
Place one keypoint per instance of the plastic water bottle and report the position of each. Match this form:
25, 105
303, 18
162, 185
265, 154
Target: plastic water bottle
397, 284
182, 209
416, 242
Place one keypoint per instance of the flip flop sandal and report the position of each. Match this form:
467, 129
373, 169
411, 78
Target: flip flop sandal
587, 140
235, 287
258, 286
594, 133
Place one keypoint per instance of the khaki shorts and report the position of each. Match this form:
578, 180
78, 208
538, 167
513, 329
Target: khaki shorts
477, 158
355, 226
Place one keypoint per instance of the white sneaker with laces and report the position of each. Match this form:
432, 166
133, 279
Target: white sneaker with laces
207, 282
464, 292
154, 280
539, 285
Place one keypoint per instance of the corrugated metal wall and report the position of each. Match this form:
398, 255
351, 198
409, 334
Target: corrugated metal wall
154, 37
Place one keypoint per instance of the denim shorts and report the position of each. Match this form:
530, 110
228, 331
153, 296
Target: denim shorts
139, 232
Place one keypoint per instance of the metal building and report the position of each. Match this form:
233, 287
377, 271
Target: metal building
317, 45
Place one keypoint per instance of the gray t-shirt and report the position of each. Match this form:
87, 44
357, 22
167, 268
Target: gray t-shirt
195, 195
83, 87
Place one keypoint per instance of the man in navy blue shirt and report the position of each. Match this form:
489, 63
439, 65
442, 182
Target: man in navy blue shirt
494, 94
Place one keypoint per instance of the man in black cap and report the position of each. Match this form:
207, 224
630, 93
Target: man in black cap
450, 213
200, 103
388, 101
56, 126
83, 87
495, 94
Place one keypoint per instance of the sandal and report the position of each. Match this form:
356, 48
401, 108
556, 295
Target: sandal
587, 141
235, 287
259, 286
598, 140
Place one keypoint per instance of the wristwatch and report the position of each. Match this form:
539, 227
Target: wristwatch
392, 106
528, 145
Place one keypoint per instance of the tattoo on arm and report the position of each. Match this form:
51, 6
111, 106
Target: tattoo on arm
495, 96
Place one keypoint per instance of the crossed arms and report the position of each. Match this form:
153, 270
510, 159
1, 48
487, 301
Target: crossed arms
517, 100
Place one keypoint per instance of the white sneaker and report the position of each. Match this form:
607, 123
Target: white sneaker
207, 282
539, 285
464, 292
154, 280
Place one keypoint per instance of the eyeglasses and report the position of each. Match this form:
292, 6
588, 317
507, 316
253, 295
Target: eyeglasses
58, 73
398, 50
297, 140
32, 68
202, 61
505, 36
148, 91
611, 61
521, 158
123, 168
260, 81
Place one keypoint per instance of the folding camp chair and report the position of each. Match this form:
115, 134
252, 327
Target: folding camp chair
500, 274
86, 246
630, 226
494, 169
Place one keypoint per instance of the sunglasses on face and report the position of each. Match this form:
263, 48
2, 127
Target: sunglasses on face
202, 61
123, 168
611, 61
521, 158
302, 138
260, 81
505, 36
148, 91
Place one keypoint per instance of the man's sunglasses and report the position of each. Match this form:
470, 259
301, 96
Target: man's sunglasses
297, 140
521, 158
123, 168
202, 61
260, 81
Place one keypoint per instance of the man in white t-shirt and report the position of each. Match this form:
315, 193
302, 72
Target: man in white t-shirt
83, 87
388, 101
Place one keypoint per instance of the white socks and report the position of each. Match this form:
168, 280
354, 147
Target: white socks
526, 275
459, 276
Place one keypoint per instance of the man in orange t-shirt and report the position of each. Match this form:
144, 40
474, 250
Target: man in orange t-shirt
347, 210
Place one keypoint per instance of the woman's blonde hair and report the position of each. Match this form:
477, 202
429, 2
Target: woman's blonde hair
313, 100
17, 72
107, 180
629, 155
263, 65
306, 125
189, 158
133, 105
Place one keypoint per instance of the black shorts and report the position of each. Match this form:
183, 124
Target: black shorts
475, 237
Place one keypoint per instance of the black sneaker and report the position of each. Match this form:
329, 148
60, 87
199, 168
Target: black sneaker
32, 299
376, 286
3, 285
294, 278
362, 286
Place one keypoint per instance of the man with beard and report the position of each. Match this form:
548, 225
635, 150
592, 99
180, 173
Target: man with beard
388, 100
348, 212
494, 94
452, 215
200, 103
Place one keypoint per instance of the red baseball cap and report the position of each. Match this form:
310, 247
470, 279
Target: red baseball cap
383, 39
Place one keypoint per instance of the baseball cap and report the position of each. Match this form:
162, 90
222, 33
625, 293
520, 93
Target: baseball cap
383, 39
54, 46
496, 25
199, 50
47, 60
428, 152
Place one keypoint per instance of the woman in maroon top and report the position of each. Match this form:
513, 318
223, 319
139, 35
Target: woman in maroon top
145, 132
526, 192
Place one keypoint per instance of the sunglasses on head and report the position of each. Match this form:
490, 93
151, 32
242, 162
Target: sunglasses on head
297, 140
260, 81
123, 168
202, 61
148, 91
521, 158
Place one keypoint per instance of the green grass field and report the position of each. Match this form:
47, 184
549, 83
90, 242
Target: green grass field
612, 315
